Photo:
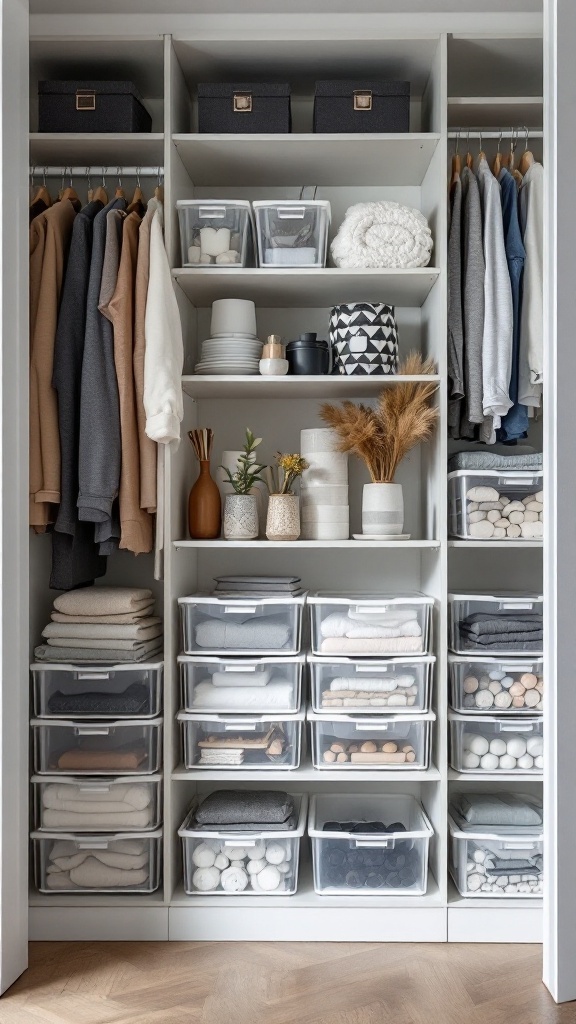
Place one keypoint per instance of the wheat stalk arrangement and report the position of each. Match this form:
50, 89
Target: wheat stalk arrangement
404, 416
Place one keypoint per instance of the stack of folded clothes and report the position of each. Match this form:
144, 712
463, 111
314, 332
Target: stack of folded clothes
509, 631
123, 865
259, 586
395, 632
246, 811
102, 624
129, 805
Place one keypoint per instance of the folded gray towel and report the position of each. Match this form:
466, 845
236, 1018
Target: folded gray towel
490, 460
503, 642
505, 622
493, 809
270, 633
245, 808
90, 656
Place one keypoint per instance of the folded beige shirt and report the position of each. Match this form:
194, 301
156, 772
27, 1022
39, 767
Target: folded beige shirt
123, 618
103, 600
146, 629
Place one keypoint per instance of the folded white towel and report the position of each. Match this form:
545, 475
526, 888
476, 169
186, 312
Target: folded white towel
145, 629
277, 694
103, 600
136, 797
385, 684
92, 874
93, 644
382, 234
89, 822
376, 645
340, 624
109, 857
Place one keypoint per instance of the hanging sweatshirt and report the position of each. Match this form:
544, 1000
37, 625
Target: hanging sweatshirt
455, 328
531, 370
498, 317
148, 454
472, 301
75, 558
515, 422
136, 531
50, 235
99, 450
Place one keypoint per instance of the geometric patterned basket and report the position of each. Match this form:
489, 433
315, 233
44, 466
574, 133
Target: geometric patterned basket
364, 338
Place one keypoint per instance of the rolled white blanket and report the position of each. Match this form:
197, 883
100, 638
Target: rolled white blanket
382, 234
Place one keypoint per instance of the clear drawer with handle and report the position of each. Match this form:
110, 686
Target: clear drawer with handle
365, 624
495, 505
115, 691
350, 742
241, 685
260, 625
64, 803
237, 743
370, 686
496, 685
68, 863
485, 863
125, 747
485, 743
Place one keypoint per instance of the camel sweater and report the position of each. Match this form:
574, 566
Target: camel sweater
50, 235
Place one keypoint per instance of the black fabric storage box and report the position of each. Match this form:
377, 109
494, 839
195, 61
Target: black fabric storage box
362, 107
91, 107
244, 108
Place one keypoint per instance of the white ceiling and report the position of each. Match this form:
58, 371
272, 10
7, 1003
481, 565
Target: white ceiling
279, 6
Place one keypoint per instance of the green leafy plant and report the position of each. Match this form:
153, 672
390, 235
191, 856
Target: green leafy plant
249, 471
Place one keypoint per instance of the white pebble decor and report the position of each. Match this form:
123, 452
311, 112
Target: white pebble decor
265, 867
504, 752
487, 687
491, 514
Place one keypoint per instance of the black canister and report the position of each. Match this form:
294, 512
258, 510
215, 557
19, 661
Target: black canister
308, 356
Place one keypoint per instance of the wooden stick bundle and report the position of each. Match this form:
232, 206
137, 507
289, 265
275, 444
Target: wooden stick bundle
202, 440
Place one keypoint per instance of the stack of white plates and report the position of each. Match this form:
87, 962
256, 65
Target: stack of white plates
325, 513
238, 354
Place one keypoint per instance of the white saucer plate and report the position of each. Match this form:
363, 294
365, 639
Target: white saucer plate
381, 536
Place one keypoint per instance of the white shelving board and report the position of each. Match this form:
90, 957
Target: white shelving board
106, 149
330, 387
305, 773
314, 287
496, 112
276, 545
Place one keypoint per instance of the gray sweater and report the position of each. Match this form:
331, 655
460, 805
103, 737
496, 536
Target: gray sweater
455, 329
472, 300
100, 451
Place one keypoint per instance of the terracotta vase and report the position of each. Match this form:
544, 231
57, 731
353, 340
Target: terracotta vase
204, 507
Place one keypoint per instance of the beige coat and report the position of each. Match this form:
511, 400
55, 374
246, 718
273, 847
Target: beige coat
136, 524
50, 235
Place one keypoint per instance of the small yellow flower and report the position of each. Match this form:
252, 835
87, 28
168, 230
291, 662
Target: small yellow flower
293, 466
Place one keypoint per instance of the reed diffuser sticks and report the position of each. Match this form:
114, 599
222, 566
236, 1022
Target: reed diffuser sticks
202, 440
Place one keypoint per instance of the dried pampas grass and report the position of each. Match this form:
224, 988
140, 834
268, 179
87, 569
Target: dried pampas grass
404, 417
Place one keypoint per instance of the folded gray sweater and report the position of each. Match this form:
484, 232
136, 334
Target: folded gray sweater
490, 460
271, 633
92, 656
494, 809
244, 810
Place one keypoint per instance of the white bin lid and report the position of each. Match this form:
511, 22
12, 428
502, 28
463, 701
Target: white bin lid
245, 599
511, 664
515, 600
507, 724
241, 721
239, 663
424, 830
371, 723
101, 782
96, 727
362, 597
236, 203
98, 670
368, 664
512, 475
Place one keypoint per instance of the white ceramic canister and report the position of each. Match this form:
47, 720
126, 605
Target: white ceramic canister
382, 509
326, 514
328, 494
325, 468
318, 439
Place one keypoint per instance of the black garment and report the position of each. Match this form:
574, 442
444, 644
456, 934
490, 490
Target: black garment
75, 558
135, 700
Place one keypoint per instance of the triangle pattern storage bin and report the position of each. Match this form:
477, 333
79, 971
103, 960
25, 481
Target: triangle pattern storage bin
364, 338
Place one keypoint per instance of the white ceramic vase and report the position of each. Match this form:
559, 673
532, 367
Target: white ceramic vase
241, 517
382, 509
283, 520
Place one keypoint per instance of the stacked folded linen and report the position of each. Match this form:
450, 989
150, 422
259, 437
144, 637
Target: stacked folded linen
78, 808
506, 631
94, 624
258, 586
124, 865
246, 811
393, 632
278, 693
385, 691
271, 633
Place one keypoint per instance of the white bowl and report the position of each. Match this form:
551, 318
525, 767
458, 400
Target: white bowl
318, 439
330, 494
233, 316
325, 514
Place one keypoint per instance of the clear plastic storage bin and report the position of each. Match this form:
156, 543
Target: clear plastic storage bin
292, 233
476, 496
348, 742
65, 862
352, 856
241, 685
496, 685
225, 625
370, 624
496, 625
119, 804
371, 687
489, 864
125, 747
220, 863
227, 742
115, 691
485, 743
215, 232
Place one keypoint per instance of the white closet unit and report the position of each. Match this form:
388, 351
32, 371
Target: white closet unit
462, 77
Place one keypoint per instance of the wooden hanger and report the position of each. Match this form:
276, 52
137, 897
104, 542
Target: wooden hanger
120, 194
138, 203
456, 163
70, 193
527, 158
100, 194
469, 157
497, 165
42, 194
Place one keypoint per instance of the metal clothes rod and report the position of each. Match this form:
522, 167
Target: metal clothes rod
504, 133
96, 171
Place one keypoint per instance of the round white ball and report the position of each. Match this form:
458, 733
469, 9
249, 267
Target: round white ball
535, 745
234, 879
516, 746
478, 745
203, 856
526, 762
470, 760
497, 746
539, 761
236, 852
489, 762
507, 763
205, 879
221, 861
275, 853
257, 851
496, 673
269, 878
254, 866
507, 682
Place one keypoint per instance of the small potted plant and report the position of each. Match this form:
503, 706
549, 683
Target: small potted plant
241, 508
404, 416
283, 520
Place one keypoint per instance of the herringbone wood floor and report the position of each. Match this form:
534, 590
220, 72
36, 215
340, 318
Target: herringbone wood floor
281, 983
